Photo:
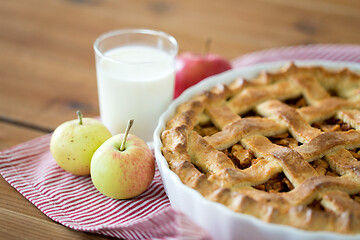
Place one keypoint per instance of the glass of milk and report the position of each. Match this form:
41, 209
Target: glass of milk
135, 76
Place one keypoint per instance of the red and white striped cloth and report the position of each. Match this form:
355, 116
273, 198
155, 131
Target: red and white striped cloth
74, 202
329, 52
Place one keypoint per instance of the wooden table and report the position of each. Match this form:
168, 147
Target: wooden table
47, 68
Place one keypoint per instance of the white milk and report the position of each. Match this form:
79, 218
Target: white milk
139, 85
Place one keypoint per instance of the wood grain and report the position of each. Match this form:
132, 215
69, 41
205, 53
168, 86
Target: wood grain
47, 67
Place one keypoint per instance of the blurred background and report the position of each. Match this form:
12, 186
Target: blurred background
47, 63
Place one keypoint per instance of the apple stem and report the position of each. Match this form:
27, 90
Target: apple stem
207, 46
129, 124
80, 117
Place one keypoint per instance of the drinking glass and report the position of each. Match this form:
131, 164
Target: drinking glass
135, 78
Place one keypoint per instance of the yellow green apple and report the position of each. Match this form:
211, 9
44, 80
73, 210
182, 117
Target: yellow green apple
123, 166
74, 142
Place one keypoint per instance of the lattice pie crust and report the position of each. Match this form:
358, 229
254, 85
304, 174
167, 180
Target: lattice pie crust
283, 147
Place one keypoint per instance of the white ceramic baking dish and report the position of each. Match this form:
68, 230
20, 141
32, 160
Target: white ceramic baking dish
218, 220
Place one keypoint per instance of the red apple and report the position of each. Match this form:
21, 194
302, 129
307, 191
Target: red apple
191, 68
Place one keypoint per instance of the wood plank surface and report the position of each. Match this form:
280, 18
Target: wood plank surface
47, 66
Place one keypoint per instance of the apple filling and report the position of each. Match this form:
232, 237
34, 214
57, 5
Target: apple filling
277, 183
285, 140
316, 205
297, 102
322, 167
355, 153
250, 113
241, 157
206, 129
331, 125
356, 197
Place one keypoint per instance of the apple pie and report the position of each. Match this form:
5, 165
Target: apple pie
283, 147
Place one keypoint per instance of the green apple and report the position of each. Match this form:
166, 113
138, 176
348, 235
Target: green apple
74, 142
123, 166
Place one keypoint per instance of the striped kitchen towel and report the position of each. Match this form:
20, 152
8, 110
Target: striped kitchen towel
329, 52
74, 202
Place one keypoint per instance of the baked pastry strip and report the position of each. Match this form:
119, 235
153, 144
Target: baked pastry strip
251, 96
327, 108
327, 142
235, 131
351, 117
311, 89
290, 117
221, 115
